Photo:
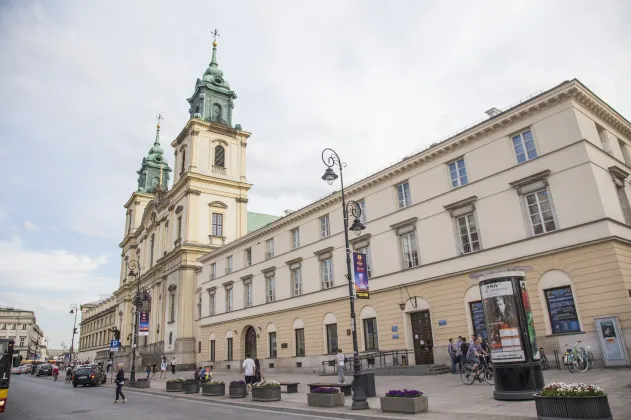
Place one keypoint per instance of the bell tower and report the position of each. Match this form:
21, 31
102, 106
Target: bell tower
154, 171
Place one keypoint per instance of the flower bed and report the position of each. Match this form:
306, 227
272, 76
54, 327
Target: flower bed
572, 401
142, 383
175, 385
325, 397
237, 389
214, 388
191, 386
266, 391
404, 401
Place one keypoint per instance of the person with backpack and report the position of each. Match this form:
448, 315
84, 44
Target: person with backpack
464, 350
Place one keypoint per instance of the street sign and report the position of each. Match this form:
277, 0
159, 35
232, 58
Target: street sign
114, 345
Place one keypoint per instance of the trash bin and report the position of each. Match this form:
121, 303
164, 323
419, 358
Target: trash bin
369, 383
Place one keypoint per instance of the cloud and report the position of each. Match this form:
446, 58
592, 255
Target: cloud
30, 226
3, 215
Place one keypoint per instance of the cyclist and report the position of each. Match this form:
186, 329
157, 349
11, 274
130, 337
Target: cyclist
55, 372
68, 374
473, 356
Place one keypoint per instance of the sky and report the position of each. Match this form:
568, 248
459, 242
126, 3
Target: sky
81, 83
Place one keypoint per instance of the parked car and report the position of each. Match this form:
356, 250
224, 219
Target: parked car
15, 371
44, 370
88, 376
25, 369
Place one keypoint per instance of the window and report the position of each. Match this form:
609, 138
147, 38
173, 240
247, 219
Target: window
562, 310
296, 280
295, 238
300, 342
468, 233
625, 152
540, 212
22, 341
229, 265
272, 345
199, 346
331, 338
153, 240
213, 271
366, 251
362, 208
248, 294
409, 249
172, 307
269, 249
524, 146
327, 273
604, 140
13, 326
183, 161
170, 338
403, 195
131, 221
270, 289
228, 300
220, 156
199, 306
211, 304
458, 173
217, 224
212, 350
179, 228
624, 202
325, 228
370, 334
23, 326
248, 257
229, 349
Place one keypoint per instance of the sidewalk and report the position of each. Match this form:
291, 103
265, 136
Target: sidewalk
448, 396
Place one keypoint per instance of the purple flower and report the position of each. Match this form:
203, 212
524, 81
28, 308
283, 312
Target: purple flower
234, 383
404, 393
325, 391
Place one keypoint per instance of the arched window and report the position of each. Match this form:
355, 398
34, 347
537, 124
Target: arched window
330, 330
220, 156
271, 333
368, 317
183, 160
153, 241
558, 299
229, 349
212, 340
474, 312
299, 334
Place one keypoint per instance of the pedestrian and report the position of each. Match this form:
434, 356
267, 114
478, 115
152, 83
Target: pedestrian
148, 370
453, 353
120, 380
154, 369
197, 375
208, 374
341, 360
248, 369
258, 372
163, 367
173, 366
109, 366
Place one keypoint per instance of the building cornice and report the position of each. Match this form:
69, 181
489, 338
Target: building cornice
194, 126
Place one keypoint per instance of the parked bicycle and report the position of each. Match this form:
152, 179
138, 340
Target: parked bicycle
544, 359
577, 358
485, 372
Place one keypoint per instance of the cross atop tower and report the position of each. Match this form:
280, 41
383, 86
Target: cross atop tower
215, 34
159, 118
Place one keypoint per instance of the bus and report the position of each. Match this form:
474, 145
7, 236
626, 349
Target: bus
7, 360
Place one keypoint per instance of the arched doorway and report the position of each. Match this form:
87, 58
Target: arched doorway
250, 342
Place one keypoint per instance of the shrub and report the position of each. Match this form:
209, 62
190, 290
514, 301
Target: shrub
175, 380
237, 383
266, 384
404, 393
325, 391
221, 382
561, 389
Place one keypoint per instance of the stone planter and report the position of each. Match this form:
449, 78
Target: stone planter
213, 390
325, 400
237, 391
596, 408
404, 405
142, 384
175, 386
266, 394
191, 386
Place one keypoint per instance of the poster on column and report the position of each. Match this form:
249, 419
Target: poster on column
529, 320
502, 323
361, 276
143, 325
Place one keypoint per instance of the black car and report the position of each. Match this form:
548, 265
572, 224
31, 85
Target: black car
44, 370
87, 375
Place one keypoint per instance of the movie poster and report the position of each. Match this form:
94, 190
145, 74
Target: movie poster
361, 276
500, 311
530, 321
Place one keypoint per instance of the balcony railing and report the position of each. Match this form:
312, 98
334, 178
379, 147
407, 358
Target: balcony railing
228, 270
269, 255
219, 170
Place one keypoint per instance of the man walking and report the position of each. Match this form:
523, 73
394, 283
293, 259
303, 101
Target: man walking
248, 369
120, 380
173, 366
453, 353
341, 361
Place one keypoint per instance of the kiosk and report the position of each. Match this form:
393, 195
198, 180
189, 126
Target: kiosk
511, 333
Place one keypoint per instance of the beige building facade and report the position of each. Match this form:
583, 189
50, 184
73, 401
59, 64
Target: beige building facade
96, 329
21, 326
543, 184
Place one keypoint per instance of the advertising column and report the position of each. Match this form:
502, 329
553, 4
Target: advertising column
511, 333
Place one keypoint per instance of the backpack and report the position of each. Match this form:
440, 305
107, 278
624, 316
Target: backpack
464, 348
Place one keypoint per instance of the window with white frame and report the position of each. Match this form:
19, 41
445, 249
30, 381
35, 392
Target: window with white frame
366, 250
300, 342
213, 271
458, 173
295, 238
248, 257
540, 211
217, 224
403, 195
229, 300
247, 290
468, 233
296, 280
327, 273
361, 204
409, 249
199, 306
618, 176
153, 242
172, 306
229, 265
269, 248
325, 227
625, 152
211, 303
270, 289
604, 139
179, 228
524, 145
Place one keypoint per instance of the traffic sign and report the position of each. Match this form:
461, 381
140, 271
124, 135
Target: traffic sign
114, 345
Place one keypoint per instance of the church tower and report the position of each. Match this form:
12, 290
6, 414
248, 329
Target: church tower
154, 171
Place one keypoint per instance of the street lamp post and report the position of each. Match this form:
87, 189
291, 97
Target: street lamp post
74, 309
332, 159
141, 298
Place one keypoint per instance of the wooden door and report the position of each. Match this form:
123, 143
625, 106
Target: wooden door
422, 336
250, 343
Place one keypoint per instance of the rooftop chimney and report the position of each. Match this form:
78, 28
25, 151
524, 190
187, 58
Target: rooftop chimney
493, 112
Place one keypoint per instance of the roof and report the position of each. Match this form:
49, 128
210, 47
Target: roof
259, 220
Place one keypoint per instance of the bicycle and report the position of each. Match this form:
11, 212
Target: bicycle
468, 377
577, 358
544, 359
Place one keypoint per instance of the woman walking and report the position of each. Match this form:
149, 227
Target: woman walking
120, 380
258, 372
163, 367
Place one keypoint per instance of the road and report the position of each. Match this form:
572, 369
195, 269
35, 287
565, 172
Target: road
42, 399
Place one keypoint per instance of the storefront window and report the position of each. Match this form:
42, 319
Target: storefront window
562, 310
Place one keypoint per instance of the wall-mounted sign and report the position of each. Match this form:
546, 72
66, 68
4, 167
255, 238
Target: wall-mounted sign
477, 319
442, 322
395, 328
395, 336
563, 316
611, 341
